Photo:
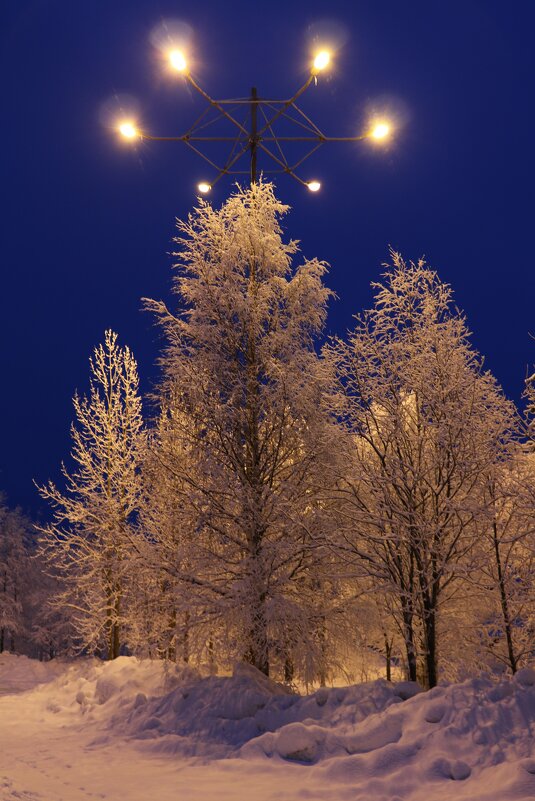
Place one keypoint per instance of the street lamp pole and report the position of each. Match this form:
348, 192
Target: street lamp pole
254, 133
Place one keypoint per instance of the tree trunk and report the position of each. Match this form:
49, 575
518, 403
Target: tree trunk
258, 650
117, 626
388, 657
185, 640
116, 641
211, 658
112, 626
408, 636
322, 637
171, 647
431, 647
506, 615
289, 671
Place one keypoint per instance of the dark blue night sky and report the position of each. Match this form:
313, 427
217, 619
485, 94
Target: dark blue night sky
88, 222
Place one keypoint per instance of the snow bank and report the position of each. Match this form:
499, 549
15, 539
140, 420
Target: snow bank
19, 673
470, 741
88, 690
382, 740
216, 716
209, 717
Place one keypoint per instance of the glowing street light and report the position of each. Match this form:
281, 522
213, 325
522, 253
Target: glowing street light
380, 130
322, 60
178, 61
128, 130
254, 122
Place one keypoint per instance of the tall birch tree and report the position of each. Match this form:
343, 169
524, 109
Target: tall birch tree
89, 541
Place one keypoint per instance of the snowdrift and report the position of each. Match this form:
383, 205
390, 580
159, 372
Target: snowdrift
379, 740
19, 673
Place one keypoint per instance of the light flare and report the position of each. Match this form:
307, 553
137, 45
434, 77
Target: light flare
381, 130
177, 61
314, 186
321, 60
204, 188
128, 130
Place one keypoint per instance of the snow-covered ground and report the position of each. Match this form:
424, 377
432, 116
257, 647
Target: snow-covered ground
133, 730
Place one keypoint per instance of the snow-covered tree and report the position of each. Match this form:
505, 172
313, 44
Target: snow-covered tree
529, 395
171, 619
89, 542
507, 565
424, 425
49, 623
245, 436
15, 575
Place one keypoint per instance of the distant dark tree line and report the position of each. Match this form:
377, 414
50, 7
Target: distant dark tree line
26, 623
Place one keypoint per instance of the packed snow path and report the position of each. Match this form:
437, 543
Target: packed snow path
133, 731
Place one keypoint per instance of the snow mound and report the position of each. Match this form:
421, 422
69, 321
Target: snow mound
250, 715
99, 691
525, 677
20, 673
210, 716
476, 735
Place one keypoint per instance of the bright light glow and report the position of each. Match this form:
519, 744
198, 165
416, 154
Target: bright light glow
314, 186
128, 130
380, 130
322, 60
178, 61
203, 187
